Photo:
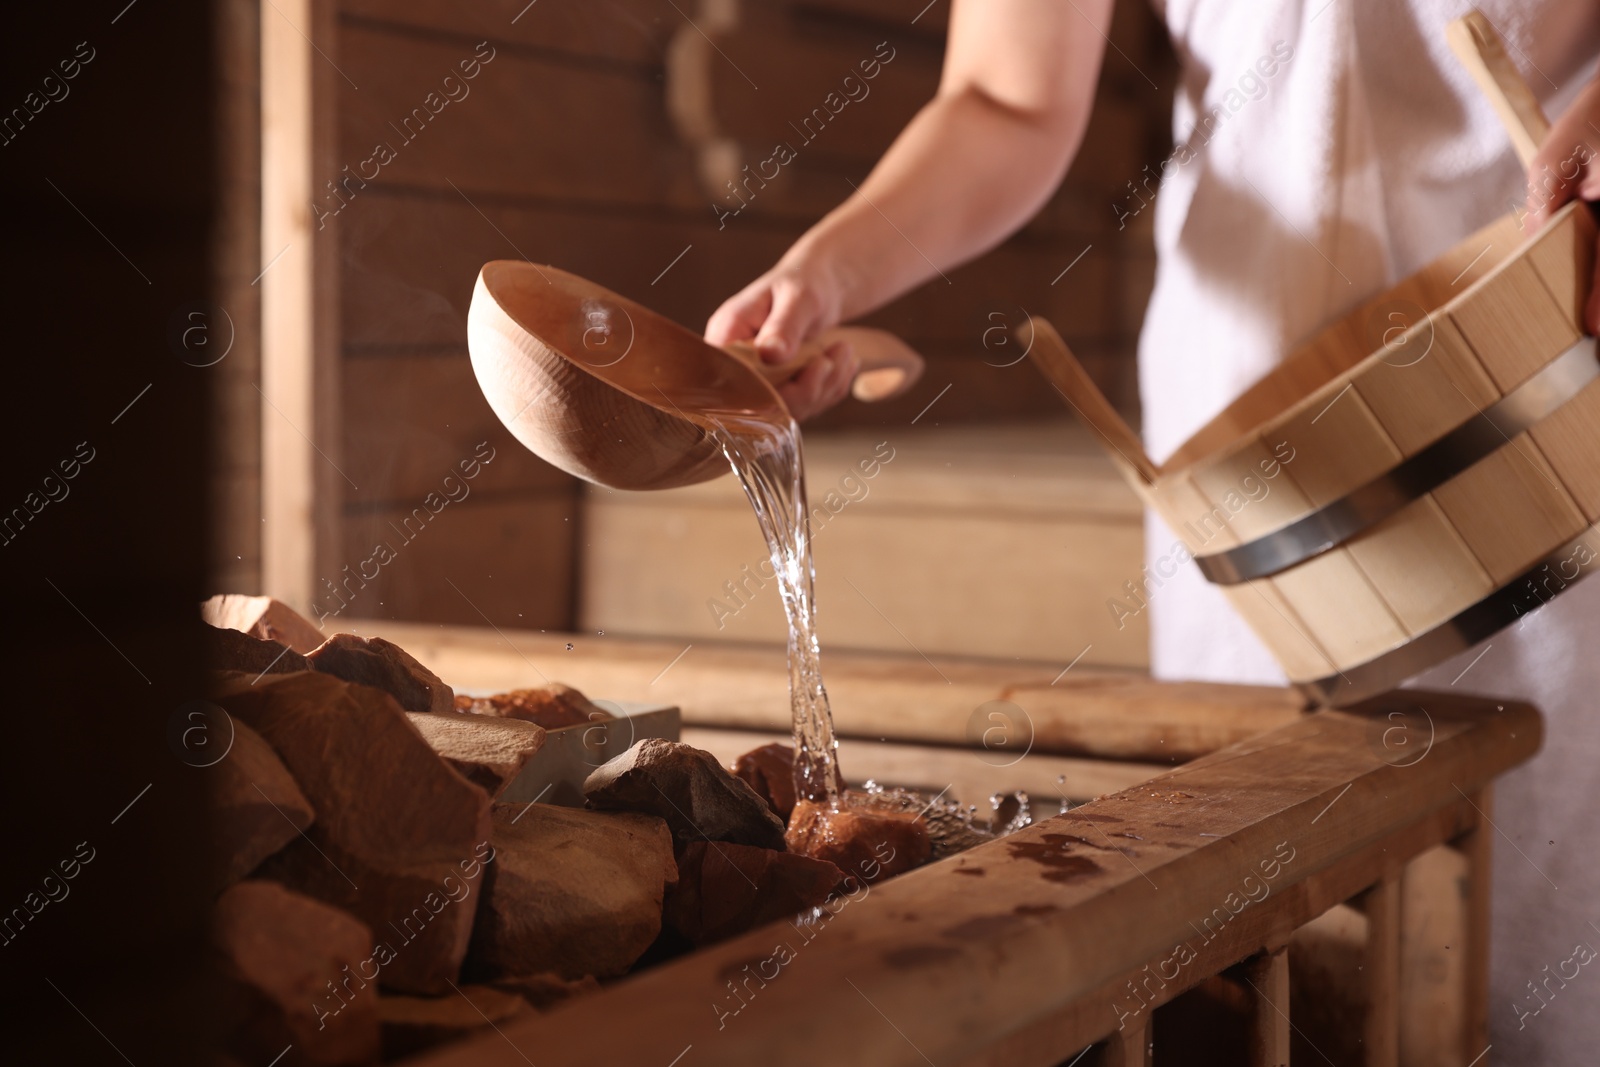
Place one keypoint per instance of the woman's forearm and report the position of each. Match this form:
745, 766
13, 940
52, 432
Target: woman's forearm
979, 160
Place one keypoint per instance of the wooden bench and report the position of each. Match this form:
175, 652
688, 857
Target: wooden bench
1133, 925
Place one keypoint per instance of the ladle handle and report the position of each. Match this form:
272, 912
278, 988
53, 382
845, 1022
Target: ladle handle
889, 366
1051, 355
1481, 50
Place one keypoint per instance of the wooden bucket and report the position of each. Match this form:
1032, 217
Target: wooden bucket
1413, 478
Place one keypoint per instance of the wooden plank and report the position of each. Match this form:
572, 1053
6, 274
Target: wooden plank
1342, 612
1420, 565
1568, 440
1268, 977
1201, 525
1131, 1046
410, 421
1237, 485
1514, 325
1477, 845
657, 563
951, 586
1056, 921
1180, 721
1510, 508
1418, 397
300, 480
1004, 286
627, 41
965, 774
503, 560
1563, 257
1337, 449
235, 538
876, 696
1433, 957
630, 32
1468, 261
930, 18
1052, 468
412, 261
1381, 967
235, 408
1281, 629
775, 80
521, 126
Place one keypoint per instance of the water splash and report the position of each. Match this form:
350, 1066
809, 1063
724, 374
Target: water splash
952, 826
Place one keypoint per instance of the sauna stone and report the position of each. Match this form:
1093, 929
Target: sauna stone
400, 839
698, 797
280, 954
383, 665
858, 840
226, 649
257, 806
725, 889
769, 770
570, 891
488, 752
550, 706
262, 617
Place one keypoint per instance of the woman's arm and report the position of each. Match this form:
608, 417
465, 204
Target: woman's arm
974, 165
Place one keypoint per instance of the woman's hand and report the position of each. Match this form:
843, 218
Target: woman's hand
779, 311
1568, 166
971, 168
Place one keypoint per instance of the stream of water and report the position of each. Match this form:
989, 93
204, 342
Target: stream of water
766, 457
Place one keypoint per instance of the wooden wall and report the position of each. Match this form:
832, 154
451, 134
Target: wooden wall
234, 461
561, 149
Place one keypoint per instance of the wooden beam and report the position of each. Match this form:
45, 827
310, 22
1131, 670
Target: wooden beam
970, 776
301, 486
1268, 976
1477, 845
1128, 1047
1433, 960
1073, 923
879, 696
1381, 1032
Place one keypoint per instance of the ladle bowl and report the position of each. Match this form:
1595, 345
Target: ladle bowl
614, 393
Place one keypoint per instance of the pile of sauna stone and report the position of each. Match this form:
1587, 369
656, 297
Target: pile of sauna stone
373, 895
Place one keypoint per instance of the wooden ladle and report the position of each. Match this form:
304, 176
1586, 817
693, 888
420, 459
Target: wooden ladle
610, 391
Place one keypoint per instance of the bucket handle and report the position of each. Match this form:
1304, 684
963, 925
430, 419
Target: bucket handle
1479, 47
1052, 356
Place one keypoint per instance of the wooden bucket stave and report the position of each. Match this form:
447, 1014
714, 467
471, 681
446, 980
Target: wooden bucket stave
1418, 474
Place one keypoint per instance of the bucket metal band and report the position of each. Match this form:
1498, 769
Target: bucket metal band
1538, 585
1334, 523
